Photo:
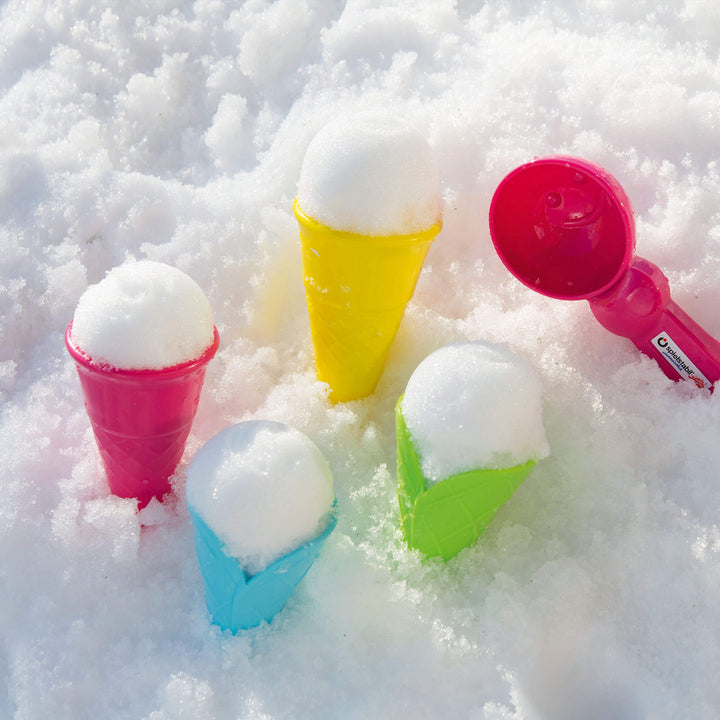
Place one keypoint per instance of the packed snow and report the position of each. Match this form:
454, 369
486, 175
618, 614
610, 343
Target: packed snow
143, 315
372, 174
176, 132
476, 405
263, 488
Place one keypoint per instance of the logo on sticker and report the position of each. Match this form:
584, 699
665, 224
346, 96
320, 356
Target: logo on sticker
679, 360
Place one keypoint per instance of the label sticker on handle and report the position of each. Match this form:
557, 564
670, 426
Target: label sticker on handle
679, 360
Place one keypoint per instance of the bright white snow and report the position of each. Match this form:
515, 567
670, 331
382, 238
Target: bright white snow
263, 488
370, 173
143, 315
474, 405
176, 131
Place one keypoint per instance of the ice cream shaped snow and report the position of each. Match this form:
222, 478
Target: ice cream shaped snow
469, 431
474, 405
370, 174
368, 207
261, 498
141, 339
143, 315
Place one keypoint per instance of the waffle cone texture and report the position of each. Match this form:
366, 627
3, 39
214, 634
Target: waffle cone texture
357, 287
141, 419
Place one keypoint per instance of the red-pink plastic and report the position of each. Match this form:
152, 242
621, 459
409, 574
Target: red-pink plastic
564, 227
141, 419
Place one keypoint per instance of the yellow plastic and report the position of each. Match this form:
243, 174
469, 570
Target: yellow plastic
357, 287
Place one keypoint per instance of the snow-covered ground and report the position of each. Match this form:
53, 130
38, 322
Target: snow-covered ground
176, 131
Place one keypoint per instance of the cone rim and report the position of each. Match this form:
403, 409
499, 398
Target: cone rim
83, 359
472, 474
419, 237
276, 566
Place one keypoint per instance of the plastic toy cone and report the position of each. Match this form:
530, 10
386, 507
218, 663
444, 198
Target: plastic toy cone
141, 419
357, 287
237, 601
442, 519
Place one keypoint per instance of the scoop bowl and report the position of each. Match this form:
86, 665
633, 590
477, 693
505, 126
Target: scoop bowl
564, 227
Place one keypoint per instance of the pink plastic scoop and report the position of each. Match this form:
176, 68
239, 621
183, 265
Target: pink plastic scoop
564, 227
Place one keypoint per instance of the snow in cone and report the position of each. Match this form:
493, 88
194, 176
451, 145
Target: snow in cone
261, 500
141, 339
368, 209
469, 431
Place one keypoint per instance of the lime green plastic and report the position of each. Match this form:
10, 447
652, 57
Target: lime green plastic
450, 515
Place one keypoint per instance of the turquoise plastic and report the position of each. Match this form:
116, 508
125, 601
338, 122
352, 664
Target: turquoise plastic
237, 601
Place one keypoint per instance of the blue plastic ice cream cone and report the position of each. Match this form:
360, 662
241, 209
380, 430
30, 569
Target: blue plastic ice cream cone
261, 500
237, 601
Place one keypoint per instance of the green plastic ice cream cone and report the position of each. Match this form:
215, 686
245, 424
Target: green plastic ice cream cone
441, 519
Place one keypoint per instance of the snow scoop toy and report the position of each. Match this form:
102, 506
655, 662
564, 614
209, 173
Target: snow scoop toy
442, 519
140, 419
564, 227
357, 287
238, 601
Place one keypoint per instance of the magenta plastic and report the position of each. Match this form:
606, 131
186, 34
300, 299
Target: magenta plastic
141, 419
564, 227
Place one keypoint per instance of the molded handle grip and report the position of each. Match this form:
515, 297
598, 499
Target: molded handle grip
639, 307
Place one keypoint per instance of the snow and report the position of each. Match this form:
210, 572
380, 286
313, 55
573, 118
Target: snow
372, 174
263, 488
594, 592
474, 405
143, 315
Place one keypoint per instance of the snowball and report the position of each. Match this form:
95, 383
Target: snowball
370, 174
474, 405
264, 488
143, 315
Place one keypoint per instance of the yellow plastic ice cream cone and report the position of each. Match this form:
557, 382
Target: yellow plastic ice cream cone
357, 287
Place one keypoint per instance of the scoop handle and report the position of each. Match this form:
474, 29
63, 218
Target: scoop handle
639, 307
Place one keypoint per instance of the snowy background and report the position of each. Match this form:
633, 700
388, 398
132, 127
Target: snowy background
175, 131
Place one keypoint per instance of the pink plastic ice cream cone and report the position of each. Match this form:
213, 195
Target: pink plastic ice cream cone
141, 339
141, 418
